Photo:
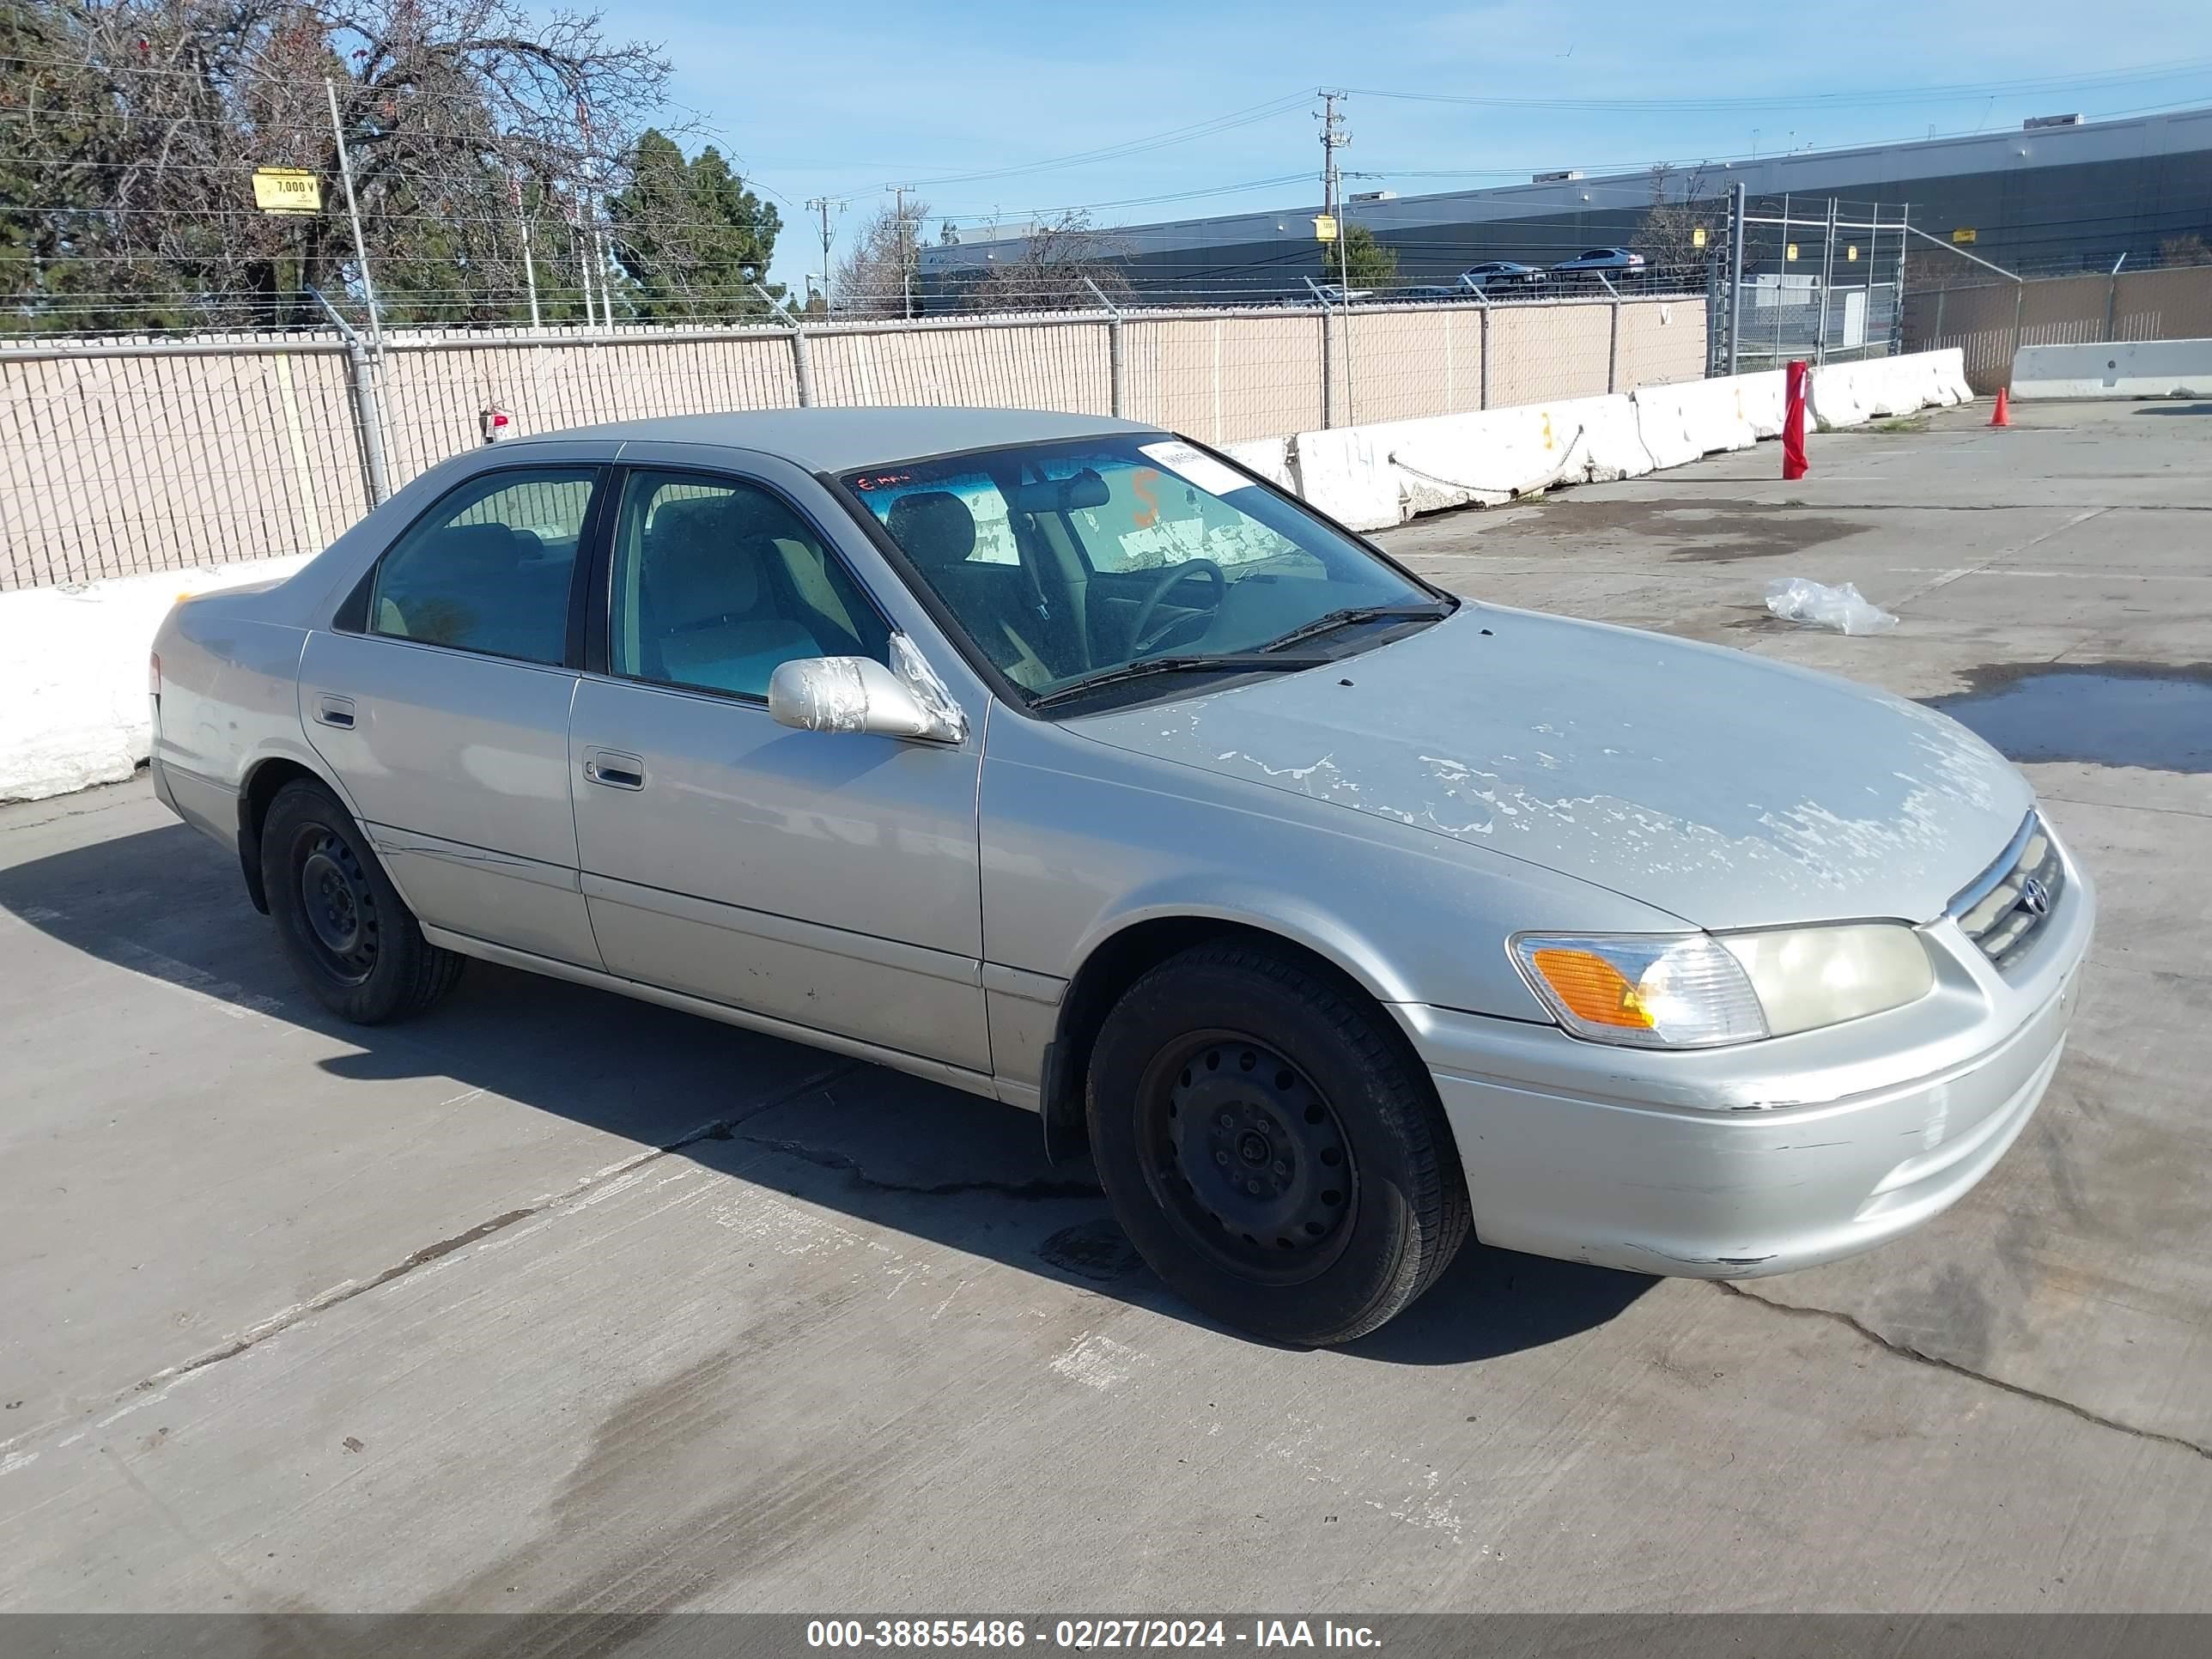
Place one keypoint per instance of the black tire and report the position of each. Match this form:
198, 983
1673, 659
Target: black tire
1235, 1066
339, 918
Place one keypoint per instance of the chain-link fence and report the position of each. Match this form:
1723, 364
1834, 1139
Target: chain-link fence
1989, 317
1818, 280
121, 456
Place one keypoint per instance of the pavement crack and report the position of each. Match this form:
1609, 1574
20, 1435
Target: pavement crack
1919, 1356
723, 1128
854, 1173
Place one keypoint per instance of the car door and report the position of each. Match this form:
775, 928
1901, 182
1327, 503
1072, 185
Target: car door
829, 879
441, 700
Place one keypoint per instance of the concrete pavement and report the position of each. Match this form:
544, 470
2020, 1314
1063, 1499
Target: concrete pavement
554, 1301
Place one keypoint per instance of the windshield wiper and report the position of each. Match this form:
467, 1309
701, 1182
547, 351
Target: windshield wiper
1359, 613
1236, 663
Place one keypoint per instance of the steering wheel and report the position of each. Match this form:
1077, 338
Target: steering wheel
1171, 577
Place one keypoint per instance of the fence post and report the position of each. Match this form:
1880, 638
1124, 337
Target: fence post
1116, 374
1936, 344
2019, 307
1735, 275
368, 414
1827, 271
353, 212
1714, 321
1483, 397
1327, 356
1897, 311
802, 366
2113, 298
1613, 339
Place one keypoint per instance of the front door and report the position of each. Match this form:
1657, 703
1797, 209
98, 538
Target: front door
443, 709
825, 879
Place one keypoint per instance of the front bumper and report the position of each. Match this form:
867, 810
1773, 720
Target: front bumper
1766, 1157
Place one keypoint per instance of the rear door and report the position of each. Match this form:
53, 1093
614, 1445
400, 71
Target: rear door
441, 702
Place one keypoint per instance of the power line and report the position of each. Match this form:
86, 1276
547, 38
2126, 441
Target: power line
1872, 97
1183, 135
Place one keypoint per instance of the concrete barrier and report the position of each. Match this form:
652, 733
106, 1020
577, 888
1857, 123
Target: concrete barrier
2126, 368
1678, 423
1373, 477
73, 692
1268, 457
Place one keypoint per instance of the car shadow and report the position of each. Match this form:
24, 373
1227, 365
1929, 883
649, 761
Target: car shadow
884, 1149
2175, 408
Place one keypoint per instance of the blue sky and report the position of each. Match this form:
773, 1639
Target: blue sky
847, 98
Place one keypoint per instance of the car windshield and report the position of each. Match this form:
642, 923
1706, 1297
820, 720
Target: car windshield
1091, 561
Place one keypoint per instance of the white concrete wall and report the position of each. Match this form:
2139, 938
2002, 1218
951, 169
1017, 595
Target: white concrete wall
2128, 368
74, 709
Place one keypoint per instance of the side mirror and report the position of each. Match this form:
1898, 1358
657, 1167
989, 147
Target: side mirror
859, 693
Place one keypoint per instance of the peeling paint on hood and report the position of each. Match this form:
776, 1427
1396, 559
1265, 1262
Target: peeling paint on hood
1729, 790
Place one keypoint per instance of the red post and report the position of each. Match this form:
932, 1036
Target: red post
1793, 420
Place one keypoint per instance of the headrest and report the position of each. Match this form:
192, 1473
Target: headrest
934, 526
694, 567
477, 549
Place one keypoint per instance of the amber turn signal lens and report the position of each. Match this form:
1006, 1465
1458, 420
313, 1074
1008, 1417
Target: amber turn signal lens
1592, 988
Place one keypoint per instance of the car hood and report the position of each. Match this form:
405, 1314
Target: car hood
1729, 790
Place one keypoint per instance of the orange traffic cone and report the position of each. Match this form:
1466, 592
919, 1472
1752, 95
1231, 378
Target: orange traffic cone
2003, 417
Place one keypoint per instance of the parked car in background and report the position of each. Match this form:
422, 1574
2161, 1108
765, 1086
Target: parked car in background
1336, 293
1614, 264
1066, 762
1475, 282
1501, 274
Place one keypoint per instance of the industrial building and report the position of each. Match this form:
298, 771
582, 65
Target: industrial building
2056, 196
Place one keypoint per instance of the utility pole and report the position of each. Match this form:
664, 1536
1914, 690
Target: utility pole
1334, 137
905, 246
822, 205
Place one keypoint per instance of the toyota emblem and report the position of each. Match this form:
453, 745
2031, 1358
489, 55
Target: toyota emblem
2034, 897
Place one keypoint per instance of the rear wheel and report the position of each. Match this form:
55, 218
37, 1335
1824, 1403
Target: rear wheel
339, 917
1270, 1147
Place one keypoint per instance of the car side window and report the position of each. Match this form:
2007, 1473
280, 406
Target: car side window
488, 569
718, 583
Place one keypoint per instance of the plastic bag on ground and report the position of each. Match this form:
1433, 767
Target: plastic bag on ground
1795, 599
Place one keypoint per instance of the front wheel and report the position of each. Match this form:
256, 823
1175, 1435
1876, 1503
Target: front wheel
340, 920
1271, 1148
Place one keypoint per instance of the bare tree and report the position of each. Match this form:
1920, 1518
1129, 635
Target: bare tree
2185, 250
1054, 270
1682, 204
877, 278
465, 120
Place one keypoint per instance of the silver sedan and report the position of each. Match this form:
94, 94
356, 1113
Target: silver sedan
1064, 761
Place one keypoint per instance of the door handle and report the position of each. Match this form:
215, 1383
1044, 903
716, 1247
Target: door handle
614, 768
334, 711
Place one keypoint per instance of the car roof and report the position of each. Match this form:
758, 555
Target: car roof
834, 440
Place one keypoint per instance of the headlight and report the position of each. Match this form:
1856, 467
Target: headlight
1812, 976
1698, 990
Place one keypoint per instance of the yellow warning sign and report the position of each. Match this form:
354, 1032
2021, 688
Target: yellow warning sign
1697, 237
1851, 252
287, 189
1792, 252
1964, 233
1324, 227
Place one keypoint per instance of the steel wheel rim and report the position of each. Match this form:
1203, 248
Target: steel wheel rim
1247, 1157
337, 907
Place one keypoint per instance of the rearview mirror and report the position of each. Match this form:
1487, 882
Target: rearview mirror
1086, 489
855, 694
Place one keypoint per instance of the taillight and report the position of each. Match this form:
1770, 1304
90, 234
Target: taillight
153, 673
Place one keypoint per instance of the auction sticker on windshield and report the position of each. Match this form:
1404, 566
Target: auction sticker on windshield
1196, 467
